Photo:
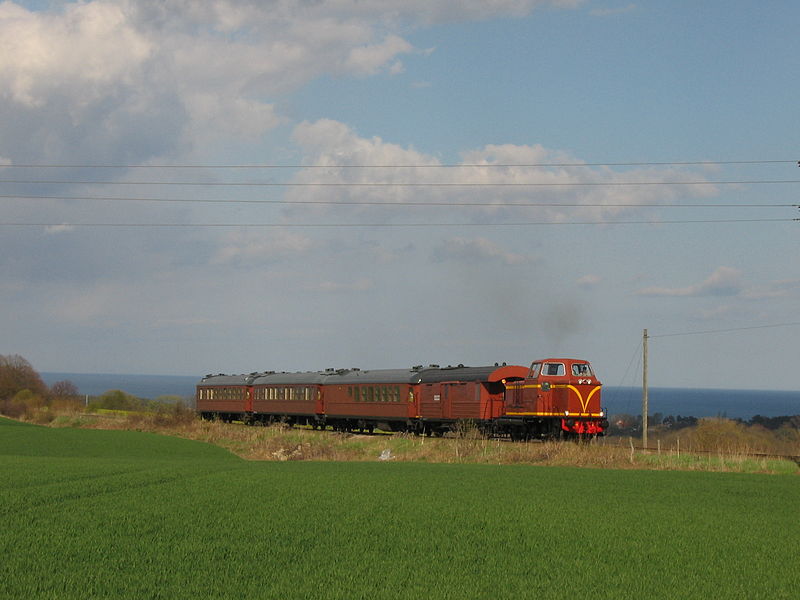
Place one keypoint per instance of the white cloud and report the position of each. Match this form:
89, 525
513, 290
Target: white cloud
56, 229
360, 285
611, 11
477, 250
717, 312
95, 304
724, 281
129, 80
489, 176
727, 282
368, 60
261, 245
133, 80
773, 289
83, 53
589, 281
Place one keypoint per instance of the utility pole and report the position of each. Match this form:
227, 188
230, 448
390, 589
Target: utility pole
644, 389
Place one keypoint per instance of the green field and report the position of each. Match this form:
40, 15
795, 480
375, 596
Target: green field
118, 514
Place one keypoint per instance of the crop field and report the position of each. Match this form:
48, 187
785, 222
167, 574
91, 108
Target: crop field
107, 514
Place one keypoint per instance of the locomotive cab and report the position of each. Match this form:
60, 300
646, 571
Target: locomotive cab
560, 397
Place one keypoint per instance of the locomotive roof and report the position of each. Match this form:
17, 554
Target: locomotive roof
569, 360
462, 373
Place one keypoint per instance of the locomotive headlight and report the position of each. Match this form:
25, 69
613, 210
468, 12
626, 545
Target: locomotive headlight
566, 413
602, 413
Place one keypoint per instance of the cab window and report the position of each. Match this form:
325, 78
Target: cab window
535, 369
581, 370
554, 369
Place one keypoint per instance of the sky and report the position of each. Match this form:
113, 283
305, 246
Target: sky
238, 186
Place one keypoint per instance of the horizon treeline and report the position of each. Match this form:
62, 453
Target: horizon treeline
23, 393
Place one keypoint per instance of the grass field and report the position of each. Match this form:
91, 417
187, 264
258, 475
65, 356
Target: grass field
108, 514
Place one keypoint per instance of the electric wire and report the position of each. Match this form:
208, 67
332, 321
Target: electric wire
380, 184
403, 203
406, 166
389, 225
708, 331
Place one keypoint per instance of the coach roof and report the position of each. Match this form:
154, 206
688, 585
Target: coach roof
375, 376
222, 379
305, 378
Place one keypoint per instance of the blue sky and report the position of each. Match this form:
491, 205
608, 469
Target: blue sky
152, 84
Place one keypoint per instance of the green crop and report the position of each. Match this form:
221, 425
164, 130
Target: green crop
91, 514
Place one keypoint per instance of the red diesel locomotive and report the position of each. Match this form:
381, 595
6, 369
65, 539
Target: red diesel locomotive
552, 398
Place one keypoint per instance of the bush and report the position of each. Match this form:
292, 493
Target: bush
116, 400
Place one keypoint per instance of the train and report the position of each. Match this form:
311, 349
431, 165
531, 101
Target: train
554, 398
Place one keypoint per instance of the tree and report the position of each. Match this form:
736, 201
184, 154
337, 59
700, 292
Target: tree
17, 374
65, 390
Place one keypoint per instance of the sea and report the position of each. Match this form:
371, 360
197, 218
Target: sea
694, 402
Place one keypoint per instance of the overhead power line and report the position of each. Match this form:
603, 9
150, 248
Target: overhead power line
400, 184
707, 331
407, 166
388, 225
402, 204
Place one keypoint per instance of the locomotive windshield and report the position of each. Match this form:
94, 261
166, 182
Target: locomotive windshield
581, 370
553, 369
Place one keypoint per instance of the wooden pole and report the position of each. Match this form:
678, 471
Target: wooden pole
644, 390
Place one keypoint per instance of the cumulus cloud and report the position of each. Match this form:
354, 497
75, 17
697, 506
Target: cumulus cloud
611, 11
261, 246
476, 250
773, 289
589, 281
489, 178
368, 60
56, 229
126, 81
130, 80
724, 281
360, 285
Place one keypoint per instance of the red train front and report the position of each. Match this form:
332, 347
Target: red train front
560, 397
